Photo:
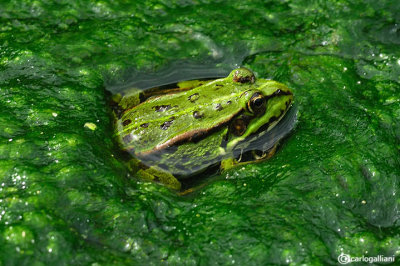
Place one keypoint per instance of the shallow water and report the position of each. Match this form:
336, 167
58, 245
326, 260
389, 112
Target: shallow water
332, 187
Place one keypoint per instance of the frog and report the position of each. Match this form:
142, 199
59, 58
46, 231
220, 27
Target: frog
177, 133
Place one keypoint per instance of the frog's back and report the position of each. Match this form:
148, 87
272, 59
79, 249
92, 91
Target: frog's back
163, 121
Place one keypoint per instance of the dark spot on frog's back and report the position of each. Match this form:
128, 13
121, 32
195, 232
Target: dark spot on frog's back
218, 86
197, 115
126, 122
144, 125
167, 124
194, 97
162, 108
218, 107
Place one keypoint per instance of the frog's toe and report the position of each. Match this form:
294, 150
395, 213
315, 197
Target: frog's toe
228, 164
264, 155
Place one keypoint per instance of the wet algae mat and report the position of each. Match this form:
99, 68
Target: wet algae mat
332, 188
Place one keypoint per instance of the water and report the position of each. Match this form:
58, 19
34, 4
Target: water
332, 187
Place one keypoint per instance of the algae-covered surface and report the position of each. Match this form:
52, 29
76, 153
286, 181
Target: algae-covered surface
332, 187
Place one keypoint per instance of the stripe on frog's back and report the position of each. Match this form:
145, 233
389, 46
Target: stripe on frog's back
190, 136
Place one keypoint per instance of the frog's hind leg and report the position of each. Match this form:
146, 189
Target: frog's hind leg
153, 173
157, 175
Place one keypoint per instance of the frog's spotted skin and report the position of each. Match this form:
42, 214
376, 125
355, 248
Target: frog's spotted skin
186, 131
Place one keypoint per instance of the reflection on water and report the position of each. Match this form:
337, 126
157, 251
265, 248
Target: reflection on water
177, 71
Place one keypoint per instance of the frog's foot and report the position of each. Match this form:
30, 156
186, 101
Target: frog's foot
228, 164
257, 156
157, 175
264, 155
154, 174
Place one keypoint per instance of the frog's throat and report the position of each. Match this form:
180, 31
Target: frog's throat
190, 136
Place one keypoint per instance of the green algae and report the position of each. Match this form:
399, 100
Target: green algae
332, 188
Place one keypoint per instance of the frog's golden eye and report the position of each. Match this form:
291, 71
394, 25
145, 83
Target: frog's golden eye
257, 104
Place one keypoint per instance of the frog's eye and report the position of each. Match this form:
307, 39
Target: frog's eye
257, 104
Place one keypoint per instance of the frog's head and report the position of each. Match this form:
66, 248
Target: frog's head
265, 104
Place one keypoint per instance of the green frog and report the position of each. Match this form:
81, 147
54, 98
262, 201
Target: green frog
173, 134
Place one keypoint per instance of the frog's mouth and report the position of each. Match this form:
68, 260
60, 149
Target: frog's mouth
260, 142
